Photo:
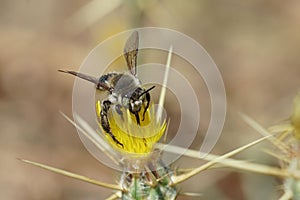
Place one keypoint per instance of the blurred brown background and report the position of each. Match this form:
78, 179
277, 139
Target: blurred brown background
255, 44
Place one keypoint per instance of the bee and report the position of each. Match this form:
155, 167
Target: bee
124, 89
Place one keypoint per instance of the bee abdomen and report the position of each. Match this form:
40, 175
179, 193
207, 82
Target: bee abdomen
106, 79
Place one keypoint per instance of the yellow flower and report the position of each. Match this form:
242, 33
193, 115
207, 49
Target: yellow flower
137, 140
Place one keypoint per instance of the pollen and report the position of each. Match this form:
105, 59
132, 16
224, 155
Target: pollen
136, 139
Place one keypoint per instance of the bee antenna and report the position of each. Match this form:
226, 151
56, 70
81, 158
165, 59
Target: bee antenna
147, 91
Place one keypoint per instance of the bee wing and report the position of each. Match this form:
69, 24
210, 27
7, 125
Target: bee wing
130, 52
94, 80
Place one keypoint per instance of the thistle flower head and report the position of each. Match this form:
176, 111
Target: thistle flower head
137, 139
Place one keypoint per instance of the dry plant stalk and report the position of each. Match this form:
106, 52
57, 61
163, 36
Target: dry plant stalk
287, 145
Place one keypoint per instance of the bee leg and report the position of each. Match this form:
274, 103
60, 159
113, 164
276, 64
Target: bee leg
137, 117
147, 105
104, 120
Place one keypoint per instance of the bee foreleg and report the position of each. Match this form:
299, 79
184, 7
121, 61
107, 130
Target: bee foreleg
104, 120
147, 105
137, 117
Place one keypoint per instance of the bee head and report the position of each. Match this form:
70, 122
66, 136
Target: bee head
137, 99
135, 105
